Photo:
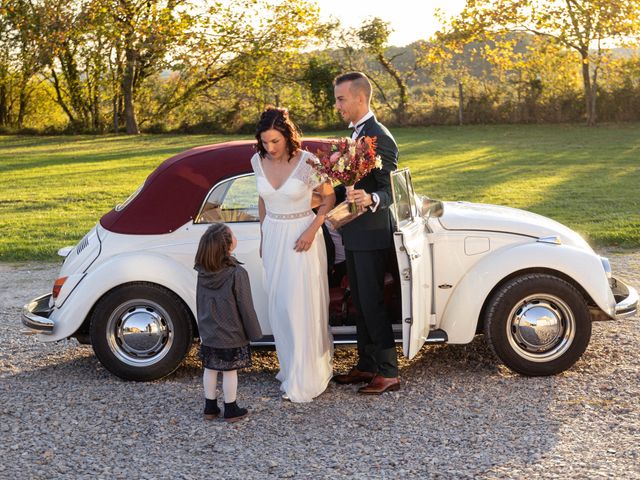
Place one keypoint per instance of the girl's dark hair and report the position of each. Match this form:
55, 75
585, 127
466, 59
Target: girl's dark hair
213, 251
274, 118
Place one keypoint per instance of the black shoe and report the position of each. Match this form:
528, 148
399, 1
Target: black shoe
233, 413
211, 409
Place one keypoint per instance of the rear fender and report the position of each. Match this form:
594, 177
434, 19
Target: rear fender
118, 270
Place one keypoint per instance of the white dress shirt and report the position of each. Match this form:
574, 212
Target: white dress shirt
357, 127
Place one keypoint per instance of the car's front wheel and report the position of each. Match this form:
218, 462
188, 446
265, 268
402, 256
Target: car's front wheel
537, 324
140, 331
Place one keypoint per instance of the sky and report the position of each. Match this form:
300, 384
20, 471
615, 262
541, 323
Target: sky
411, 20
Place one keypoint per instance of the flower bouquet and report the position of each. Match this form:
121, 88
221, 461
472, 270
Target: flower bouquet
347, 162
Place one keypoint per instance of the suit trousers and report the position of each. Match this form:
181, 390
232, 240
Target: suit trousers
376, 343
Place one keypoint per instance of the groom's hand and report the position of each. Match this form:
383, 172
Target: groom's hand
362, 198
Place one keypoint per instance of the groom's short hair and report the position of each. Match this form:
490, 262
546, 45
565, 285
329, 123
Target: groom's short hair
359, 82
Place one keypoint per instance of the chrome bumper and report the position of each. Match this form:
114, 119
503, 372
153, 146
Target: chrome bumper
35, 315
626, 298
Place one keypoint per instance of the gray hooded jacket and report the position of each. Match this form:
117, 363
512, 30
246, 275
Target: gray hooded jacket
226, 316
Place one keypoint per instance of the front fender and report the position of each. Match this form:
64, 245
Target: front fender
462, 311
115, 271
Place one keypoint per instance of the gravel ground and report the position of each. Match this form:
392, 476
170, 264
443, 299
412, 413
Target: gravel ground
458, 415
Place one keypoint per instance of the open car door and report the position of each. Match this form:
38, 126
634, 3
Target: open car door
413, 251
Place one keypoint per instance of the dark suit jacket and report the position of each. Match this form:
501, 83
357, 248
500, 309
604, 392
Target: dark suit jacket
373, 231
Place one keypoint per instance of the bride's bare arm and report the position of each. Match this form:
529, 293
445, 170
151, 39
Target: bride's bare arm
261, 213
327, 201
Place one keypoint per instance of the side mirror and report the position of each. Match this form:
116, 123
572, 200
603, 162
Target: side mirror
431, 208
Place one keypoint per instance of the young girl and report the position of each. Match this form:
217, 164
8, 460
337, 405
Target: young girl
226, 319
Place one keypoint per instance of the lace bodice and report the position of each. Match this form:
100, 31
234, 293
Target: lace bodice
293, 197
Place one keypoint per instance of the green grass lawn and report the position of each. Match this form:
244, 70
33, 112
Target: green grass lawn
53, 189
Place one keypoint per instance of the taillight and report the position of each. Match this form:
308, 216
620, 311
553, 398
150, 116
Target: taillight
57, 286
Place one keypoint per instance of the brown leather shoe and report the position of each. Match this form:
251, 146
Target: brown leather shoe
380, 385
354, 376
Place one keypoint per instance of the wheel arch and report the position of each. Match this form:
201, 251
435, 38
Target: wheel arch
82, 334
549, 271
466, 305
114, 272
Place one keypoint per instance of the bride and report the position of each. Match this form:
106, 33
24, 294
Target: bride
294, 256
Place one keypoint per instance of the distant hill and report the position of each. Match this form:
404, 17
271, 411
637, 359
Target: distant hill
405, 58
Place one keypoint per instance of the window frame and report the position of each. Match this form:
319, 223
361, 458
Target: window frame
229, 181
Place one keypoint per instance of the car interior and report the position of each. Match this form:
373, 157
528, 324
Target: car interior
234, 201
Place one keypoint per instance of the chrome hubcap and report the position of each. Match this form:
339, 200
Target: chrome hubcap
140, 332
541, 327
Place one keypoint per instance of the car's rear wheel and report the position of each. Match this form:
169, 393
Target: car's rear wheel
537, 324
141, 331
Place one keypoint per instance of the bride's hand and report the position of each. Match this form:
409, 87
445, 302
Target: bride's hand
305, 241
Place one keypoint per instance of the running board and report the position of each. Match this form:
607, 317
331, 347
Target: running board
435, 336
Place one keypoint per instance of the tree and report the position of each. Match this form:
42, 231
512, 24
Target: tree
251, 42
374, 34
585, 26
318, 77
20, 58
448, 59
74, 52
145, 32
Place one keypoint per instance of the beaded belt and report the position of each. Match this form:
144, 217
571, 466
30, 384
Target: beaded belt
289, 216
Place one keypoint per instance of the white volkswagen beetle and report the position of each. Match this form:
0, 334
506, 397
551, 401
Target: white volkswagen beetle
530, 284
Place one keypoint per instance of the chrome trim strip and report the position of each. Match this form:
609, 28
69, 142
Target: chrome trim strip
435, 336
31, 318
553, 240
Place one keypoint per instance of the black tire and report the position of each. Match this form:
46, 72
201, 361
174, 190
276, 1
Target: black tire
141, 331
523, 343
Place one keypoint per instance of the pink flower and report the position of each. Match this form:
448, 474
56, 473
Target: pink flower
349, 160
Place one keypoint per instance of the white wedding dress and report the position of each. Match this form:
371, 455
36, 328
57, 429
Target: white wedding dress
296, 283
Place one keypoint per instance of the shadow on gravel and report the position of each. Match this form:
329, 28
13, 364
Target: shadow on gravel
455, 403
468, 405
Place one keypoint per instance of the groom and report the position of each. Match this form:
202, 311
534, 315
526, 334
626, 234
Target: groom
367, 241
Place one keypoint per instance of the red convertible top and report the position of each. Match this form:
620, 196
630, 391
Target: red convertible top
173, 193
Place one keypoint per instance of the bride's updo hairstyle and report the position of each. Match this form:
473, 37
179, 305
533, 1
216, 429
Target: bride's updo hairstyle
274, 118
